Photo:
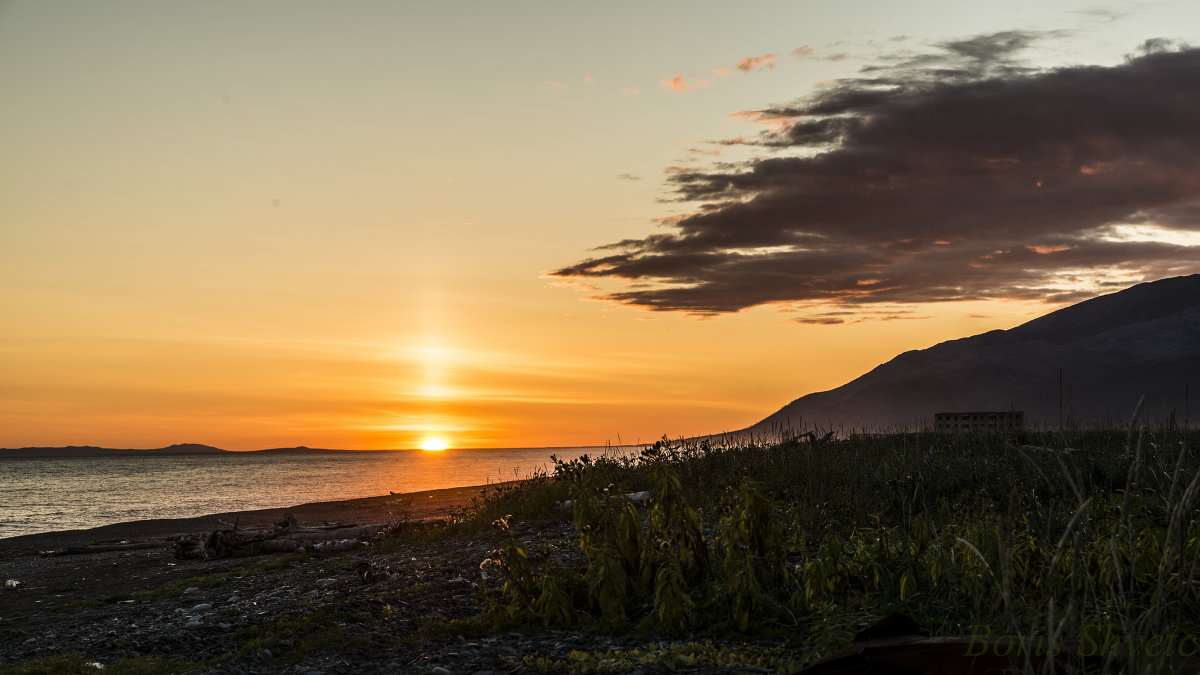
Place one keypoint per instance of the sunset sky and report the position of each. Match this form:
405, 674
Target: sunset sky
366, 225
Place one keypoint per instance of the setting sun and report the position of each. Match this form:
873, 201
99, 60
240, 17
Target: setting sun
435, 444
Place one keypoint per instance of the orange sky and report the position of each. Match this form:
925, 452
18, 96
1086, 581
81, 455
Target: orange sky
277, 224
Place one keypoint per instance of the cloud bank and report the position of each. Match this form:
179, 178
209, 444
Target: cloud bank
957, 175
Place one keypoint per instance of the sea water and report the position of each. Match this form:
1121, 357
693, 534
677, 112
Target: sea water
44, 494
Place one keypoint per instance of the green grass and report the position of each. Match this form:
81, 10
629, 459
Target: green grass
289, 640
1009, 534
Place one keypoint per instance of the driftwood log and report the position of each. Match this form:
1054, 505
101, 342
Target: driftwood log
288, 536
102, 548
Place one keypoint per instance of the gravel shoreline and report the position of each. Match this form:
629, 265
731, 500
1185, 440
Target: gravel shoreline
384, 608
85, 603
363, 511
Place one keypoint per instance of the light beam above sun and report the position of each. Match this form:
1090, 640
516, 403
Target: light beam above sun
435, 444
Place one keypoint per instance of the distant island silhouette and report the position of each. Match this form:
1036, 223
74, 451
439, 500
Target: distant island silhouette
201, 449
176, 449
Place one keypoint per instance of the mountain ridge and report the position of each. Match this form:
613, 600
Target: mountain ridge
1111, 349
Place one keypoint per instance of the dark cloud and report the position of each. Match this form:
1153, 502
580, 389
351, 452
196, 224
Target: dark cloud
960, 174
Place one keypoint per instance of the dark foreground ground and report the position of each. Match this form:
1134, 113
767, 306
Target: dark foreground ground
955, 554
402, 604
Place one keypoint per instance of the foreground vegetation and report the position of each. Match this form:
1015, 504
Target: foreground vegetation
1084, 538
772, 556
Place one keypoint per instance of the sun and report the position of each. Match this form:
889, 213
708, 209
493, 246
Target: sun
435, 444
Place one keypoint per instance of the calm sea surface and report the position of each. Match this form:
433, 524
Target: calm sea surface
67, 493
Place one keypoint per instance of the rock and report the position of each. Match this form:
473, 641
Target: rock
203, 607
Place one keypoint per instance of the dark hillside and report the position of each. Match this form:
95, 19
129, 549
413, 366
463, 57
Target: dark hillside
1112, 349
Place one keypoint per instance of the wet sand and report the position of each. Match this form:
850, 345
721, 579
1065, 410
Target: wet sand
365, 511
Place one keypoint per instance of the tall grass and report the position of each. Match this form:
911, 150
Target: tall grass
1087, 539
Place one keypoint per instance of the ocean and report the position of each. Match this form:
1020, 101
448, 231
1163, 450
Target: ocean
67, 493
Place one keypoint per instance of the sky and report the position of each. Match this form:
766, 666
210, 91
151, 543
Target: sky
377, 224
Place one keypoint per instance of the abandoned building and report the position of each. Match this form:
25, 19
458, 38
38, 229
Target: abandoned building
1007, 420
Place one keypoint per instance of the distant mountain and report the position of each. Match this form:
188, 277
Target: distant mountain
299, 450
177, 449
1111, 350
93, 451
185, 449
